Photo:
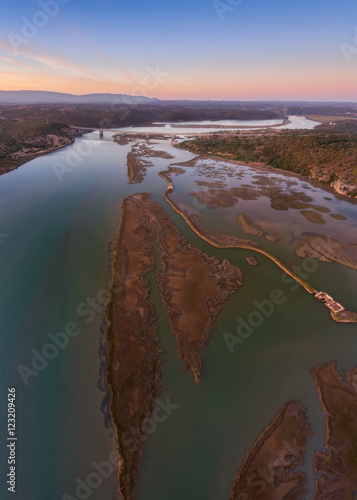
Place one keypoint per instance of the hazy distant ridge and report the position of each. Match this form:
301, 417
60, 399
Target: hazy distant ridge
43, 97
33, 97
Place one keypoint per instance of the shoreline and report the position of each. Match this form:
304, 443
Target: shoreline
219, 128
278, 450
285, 122
22, 160
349, 317
334, 187
216, 244
335, 464
138, 335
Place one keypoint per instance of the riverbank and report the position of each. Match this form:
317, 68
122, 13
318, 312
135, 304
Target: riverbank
285, 122
317, 154
16, 151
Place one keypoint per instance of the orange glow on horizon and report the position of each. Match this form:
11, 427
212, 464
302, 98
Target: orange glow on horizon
272, 87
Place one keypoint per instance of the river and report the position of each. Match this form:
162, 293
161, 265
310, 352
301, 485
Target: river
58, 217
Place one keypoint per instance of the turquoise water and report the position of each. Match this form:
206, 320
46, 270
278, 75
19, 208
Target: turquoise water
56, 256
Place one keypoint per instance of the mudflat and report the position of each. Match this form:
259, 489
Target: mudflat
327, 249
193, 288
336, 466
269, 469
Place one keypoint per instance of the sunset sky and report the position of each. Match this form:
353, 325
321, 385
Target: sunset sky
196, 49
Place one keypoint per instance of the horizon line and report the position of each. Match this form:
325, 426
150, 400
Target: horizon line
218, 99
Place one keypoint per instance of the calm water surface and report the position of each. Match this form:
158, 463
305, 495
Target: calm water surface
59, 226
297, 122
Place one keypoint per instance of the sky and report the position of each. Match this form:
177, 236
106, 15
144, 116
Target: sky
187, 49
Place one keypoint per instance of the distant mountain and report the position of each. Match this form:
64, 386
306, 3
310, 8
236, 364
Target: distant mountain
43, 97
33, 97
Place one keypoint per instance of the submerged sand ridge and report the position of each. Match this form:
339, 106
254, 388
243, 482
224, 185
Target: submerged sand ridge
250, 227
327, 249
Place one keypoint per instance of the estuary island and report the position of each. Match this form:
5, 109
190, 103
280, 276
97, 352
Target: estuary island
268, 470
193, 288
